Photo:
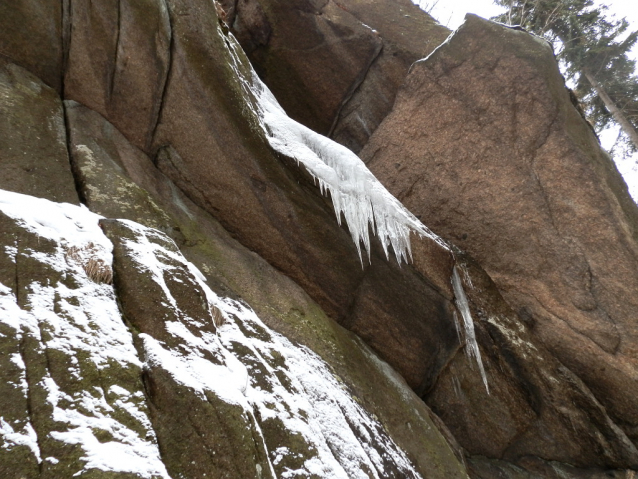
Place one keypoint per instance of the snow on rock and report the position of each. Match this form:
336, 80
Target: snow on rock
310, 425
63, 223
304, 396
74, 322
356, 193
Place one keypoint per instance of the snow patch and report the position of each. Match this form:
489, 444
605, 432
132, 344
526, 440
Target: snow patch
26, 437
82, 321
62, 223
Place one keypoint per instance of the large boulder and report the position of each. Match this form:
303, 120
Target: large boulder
33, 154
347, 61
485, 145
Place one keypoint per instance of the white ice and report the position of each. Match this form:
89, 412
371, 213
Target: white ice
468, 324
356, 194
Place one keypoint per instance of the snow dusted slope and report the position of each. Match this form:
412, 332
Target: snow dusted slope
299, 414
71, 390
237, 400
302, 397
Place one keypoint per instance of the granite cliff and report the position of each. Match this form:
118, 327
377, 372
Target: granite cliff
178, 298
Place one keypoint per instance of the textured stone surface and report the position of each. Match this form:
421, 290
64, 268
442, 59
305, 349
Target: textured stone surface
33, 152
197, 435
217, 437
53, 375
334, 66
234, 271
311, 54
535, 468
99, 155
31, 35
209, 144
172, 142
398, 23
536, 405
118, 59
485, 145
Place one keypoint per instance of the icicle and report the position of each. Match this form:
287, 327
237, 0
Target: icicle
457, 326
470, 336
356, 193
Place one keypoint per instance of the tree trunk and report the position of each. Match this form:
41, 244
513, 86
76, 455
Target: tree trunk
627, 127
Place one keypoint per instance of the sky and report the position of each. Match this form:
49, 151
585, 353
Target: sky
452, 12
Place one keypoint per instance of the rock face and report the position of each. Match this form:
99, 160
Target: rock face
484, 143
220, 393
536, 406
33, 154
348, 61
215, 320
118, 59
32, 36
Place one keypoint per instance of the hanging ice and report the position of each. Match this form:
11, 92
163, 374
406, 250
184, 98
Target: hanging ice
354, 190
468, 323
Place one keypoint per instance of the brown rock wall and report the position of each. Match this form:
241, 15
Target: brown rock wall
118, 60
334, 66
33, 151
31, 35
485, 145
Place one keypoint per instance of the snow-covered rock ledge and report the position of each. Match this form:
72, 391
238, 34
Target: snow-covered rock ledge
156, 376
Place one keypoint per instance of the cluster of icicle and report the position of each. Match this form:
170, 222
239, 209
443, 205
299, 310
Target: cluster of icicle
355, 191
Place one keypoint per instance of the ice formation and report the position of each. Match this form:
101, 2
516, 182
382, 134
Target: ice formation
356, 193
462, 305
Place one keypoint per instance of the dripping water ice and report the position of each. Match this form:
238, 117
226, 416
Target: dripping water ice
356, 193
468, 324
